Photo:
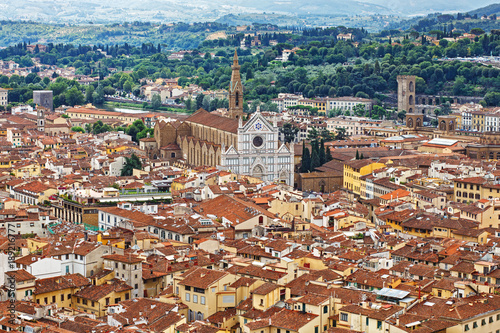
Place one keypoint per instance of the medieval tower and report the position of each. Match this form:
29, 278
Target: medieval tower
235, 91
406, 93
40, 119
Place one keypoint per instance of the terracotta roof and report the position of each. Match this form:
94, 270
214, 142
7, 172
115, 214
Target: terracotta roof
20, 275
202, 278
212, 120
95, 293
265, 289
60, 283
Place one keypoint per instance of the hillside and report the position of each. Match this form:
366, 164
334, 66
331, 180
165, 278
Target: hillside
488, 10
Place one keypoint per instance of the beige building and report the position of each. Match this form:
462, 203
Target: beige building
205, 291
129, 269
4, 97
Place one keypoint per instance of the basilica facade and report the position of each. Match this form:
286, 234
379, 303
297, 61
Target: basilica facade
247, 147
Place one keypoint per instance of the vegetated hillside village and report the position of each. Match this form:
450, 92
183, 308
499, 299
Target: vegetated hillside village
267, 180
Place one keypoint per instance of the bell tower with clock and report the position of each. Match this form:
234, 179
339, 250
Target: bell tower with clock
235, 90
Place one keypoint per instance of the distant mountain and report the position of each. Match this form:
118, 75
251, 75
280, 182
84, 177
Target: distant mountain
488, 10
422, 7
110, 11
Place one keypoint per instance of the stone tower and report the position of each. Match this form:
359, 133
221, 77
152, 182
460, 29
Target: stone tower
44, 98
406, 93
40, 120
235, 91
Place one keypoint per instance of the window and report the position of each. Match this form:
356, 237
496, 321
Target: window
198, 290
466, 327
483, 322
344, 316
367, 321
84, 301
195, 298
188, 288
474, 325
202, 300
188, 297
62, 298
325, 309
491, 320
53, 299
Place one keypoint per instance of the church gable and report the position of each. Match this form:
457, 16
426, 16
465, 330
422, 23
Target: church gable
231, 151
284, 149
258, 123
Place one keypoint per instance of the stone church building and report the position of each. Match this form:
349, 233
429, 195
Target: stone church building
247, 147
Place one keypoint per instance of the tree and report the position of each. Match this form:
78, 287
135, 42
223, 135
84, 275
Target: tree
127, 86
401, 115
98, 95
199, 101
357, 154
156, 101
74, 97
77, 129
306, 159
326, 135
130, 164
322, 154
328, 154
477, 31
289, 132
88, 93
312, 134
315, 158
340, 134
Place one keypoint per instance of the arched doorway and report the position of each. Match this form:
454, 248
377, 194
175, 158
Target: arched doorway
258, 171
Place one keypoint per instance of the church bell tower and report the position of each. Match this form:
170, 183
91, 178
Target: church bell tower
40, 121
235, 91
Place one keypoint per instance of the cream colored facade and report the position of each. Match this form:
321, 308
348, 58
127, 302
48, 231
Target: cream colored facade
4, 97
203, 303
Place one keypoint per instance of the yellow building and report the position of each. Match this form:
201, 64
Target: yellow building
354, 170
471, 189
78, 153
8, 161
34, 244
478, 120
59, 290
458, 119
266, 296
85, 113
205, 291
26, 169
112, 150
321, 105
96, 299
25, 284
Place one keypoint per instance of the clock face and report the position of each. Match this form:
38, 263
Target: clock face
258, 141
258, 126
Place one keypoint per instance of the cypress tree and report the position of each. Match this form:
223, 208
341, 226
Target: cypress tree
306, 159
357, 154
322, 155
315, 161
328, 154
